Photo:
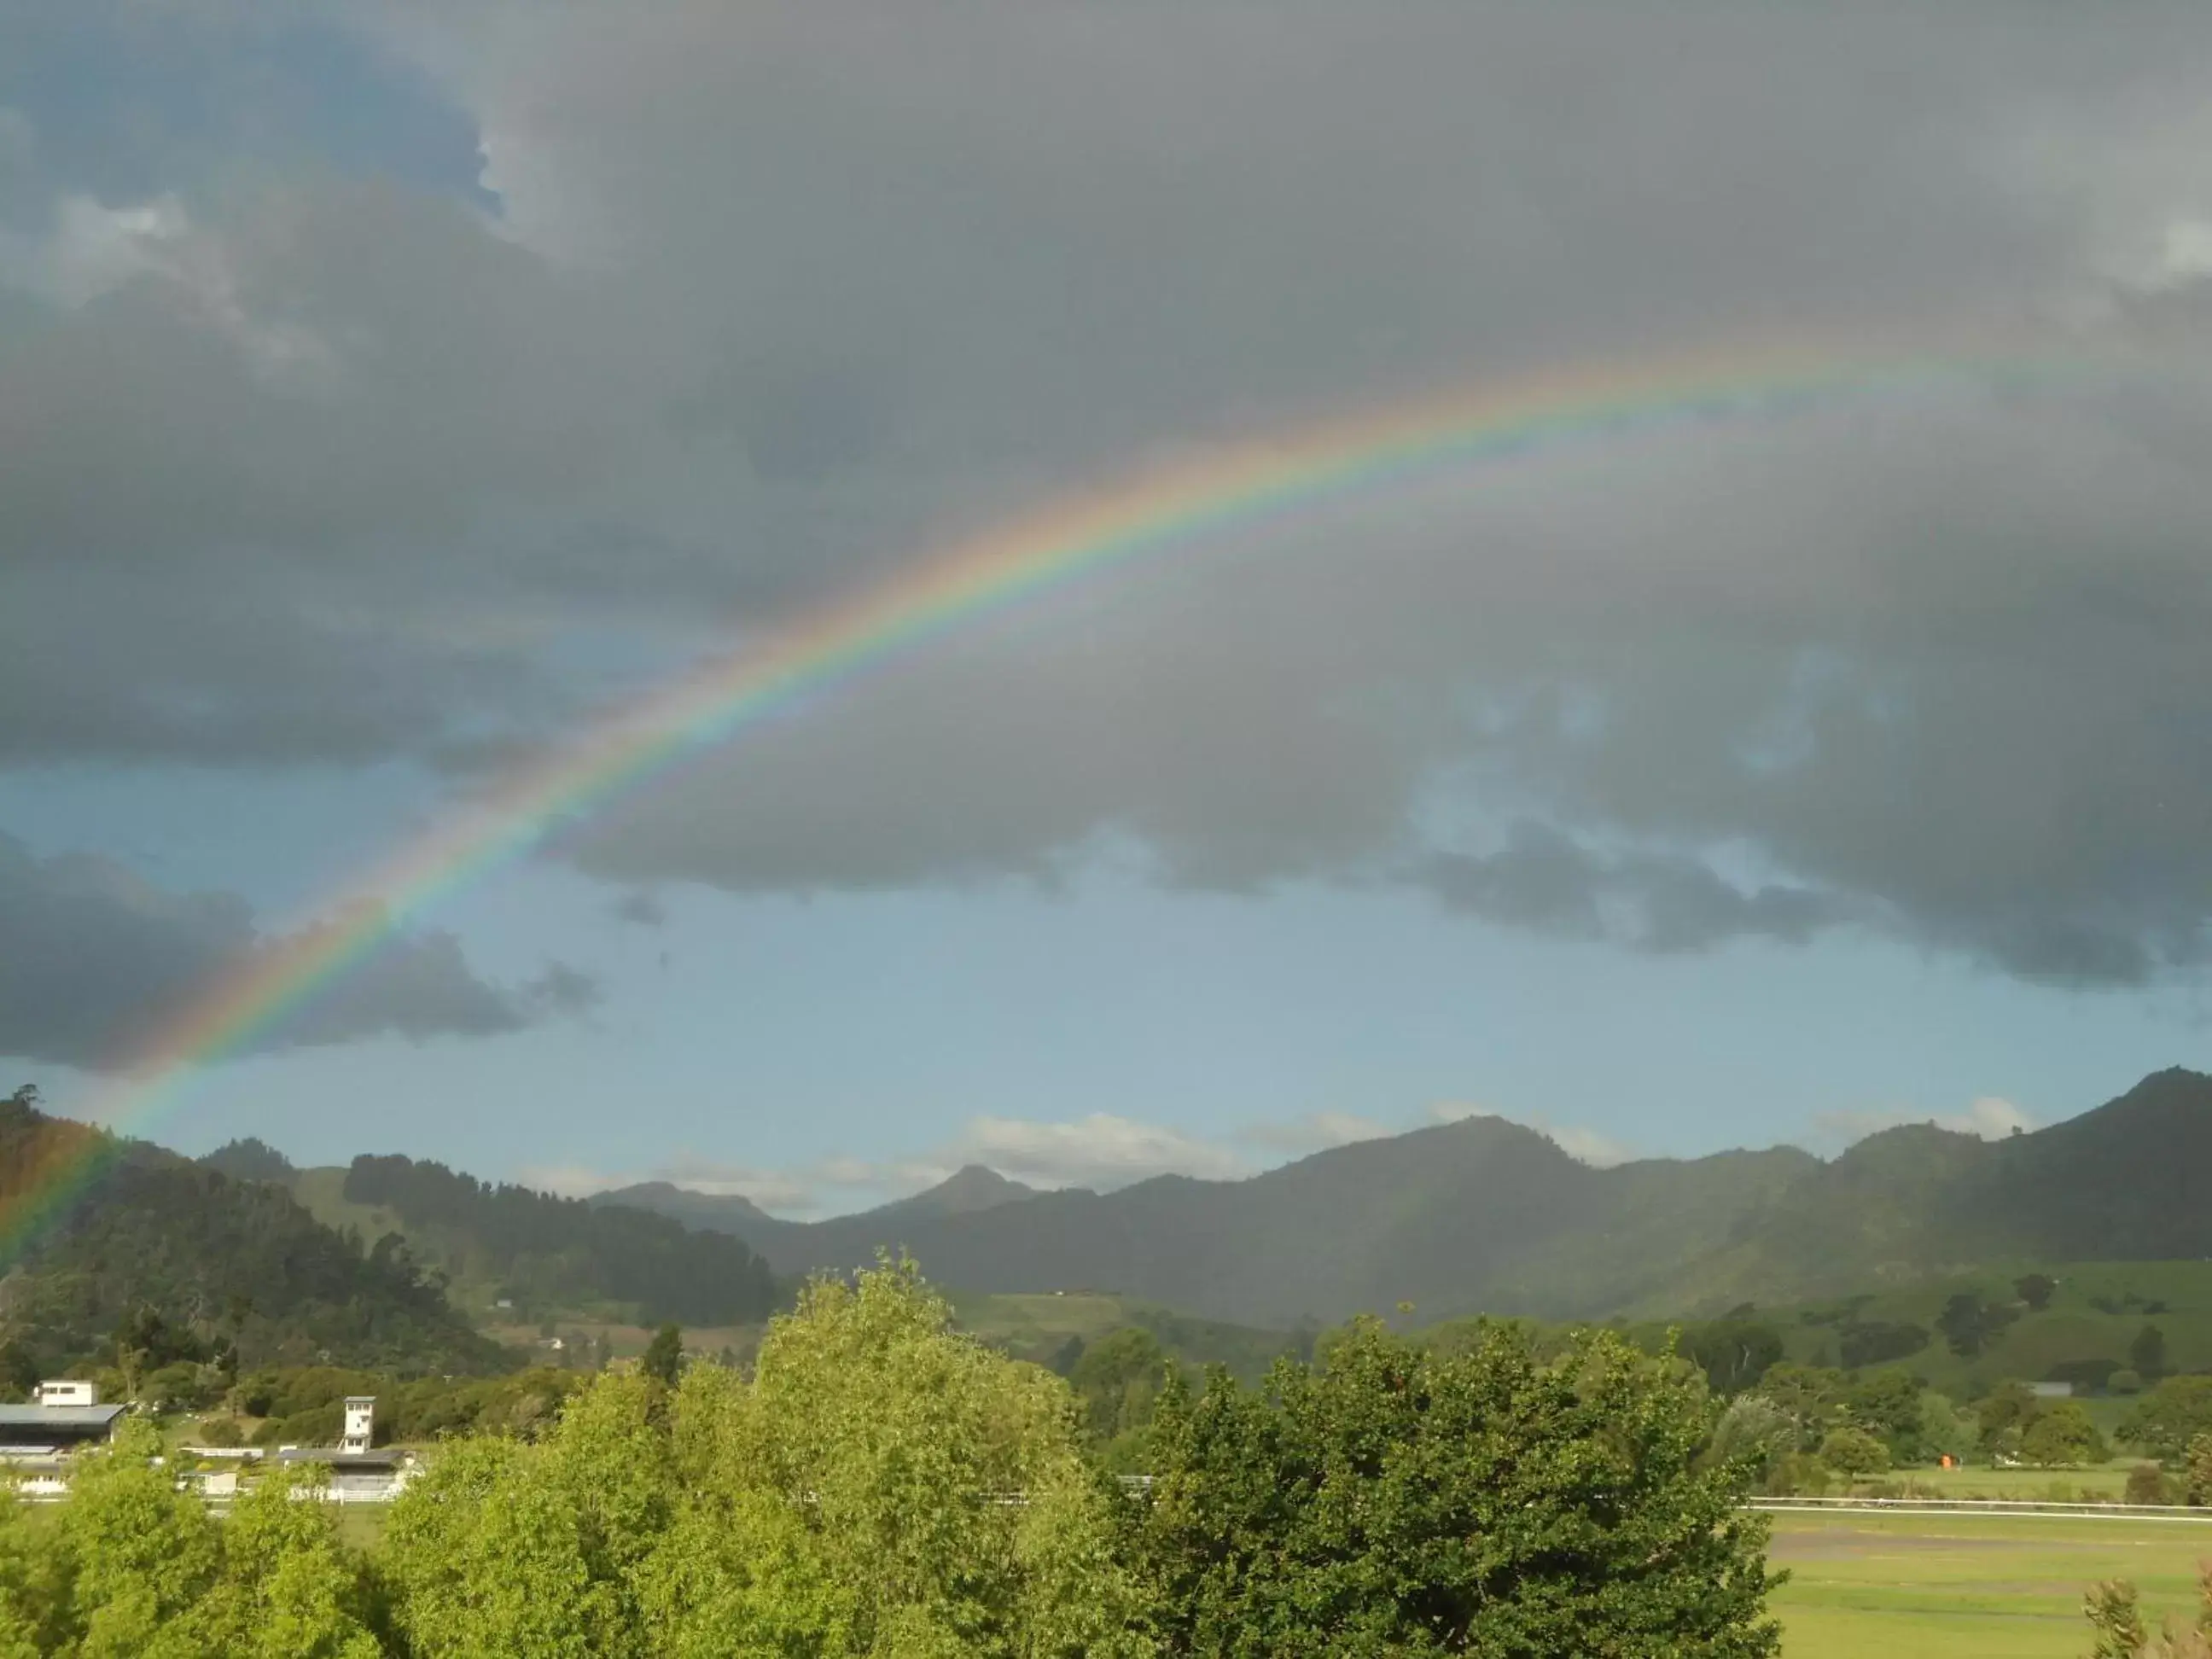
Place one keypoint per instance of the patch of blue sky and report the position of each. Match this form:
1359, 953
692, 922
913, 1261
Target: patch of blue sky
126, 102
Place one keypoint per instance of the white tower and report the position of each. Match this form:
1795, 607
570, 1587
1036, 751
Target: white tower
360, 1421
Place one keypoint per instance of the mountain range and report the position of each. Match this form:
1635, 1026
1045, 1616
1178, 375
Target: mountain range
1485, 1215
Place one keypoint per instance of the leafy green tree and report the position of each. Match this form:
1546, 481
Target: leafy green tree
1887, 1405
483, 1557
1117, 1384
850, 1499
1755, 1431
1873, 1342
2035, 1289
34, 1586
1811, 1395
2062, 1434
142, 1553
287, 1589
1400, 1501
2147, 1354
2009, 1408
664, 1356
2200, 1469
1734, 1353
2170, 1417
1967, 1323
1853, 1453
1946, 1431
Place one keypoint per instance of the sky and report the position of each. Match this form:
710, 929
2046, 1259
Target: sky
389, 390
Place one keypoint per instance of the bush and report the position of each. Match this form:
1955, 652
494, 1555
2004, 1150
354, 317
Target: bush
1853, 1452
2149, 1484
2125, 1381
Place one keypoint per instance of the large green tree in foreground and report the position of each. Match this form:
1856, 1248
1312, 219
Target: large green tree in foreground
855, 1496
1399, 1501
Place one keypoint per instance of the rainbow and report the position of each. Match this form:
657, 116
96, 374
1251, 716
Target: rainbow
1121, 525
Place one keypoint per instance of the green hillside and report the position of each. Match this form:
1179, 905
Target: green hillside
514, 1256
2087, 1331
205, 1266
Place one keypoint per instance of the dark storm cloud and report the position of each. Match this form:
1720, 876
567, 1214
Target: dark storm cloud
93, 958
332, 466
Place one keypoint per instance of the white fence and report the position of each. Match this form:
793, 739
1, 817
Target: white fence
1978, 1506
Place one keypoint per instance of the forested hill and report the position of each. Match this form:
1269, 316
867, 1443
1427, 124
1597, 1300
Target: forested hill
543, 1252
1484, 1215
220, 1263
795, 1247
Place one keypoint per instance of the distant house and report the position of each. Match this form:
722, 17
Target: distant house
2051, 1390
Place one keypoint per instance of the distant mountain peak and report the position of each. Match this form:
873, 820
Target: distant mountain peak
970, 1189
667, 1198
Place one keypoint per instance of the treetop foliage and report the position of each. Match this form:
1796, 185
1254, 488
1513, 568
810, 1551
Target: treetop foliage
1398, 1500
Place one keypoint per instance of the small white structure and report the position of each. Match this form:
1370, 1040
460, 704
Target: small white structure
360, 1424
2051, 1390
67, 1391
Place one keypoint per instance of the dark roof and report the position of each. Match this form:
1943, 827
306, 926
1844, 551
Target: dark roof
50, 1421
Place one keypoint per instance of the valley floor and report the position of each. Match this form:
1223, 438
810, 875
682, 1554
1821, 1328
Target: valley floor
1969, 1587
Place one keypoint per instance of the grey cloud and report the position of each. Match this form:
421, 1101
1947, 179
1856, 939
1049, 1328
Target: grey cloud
641, 908
96, 958
560, 991
340, 472
1543, 879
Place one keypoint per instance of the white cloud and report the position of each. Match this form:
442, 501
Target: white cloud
92, 249
1102, 1150
1990, 1116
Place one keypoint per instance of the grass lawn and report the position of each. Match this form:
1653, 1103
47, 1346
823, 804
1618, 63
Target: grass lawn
2089, 1483
1949, 1586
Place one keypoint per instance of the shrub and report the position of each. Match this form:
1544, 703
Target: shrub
2148, 1483
1853, 1452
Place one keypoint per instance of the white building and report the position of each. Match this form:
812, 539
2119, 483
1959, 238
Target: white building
360, 1422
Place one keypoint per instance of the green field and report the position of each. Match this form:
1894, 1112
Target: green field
1036, 1326
1949, 1586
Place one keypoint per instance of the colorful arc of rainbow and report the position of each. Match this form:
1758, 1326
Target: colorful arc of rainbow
1122, 525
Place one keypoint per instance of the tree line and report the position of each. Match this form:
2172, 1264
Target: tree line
563, 1251
879, 1484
